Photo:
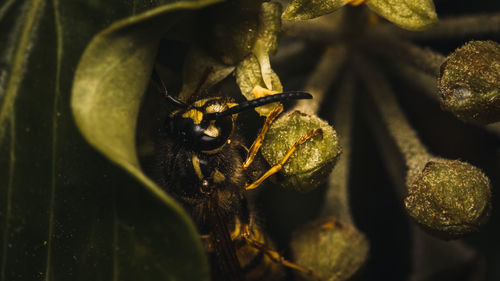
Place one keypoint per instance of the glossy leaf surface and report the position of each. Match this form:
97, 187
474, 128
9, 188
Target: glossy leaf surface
66, 212
408, 14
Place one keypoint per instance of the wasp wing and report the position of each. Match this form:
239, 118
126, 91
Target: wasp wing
226, 261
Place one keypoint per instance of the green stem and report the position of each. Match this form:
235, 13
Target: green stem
448, 198
400, 130
422, 81
321, 79
452, 28
386, 45
332, 245
337, 199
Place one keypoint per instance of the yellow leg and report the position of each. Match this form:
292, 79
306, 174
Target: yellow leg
276, 257
274, 169
356, 2
260, 137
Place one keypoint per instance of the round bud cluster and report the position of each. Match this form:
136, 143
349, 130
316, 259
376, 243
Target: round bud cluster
310, 165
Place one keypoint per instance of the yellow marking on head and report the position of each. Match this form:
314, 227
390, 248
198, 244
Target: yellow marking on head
228, 141
196, 167
212, 131
356, 2
216, 107
200, 103
259, 92
218, 176
193, 114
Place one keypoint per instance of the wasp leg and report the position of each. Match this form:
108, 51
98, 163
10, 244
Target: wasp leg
356, 2
274, 169
260, 137
275, 256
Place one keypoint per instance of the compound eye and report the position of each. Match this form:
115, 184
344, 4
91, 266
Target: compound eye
216, 133
205, 135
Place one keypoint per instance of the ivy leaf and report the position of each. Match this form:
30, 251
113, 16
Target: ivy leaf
255, 69
307, 9
201, 72
267, 39
408, 14
249, 75
67, 213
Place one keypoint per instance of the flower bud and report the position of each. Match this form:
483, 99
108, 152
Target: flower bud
331, 249
311, 163
449, 198
469, 82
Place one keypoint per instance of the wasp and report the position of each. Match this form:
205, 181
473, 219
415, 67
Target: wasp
203, 163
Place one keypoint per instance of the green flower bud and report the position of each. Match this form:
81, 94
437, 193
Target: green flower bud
470, 82
311, 163
449, 198
331, 249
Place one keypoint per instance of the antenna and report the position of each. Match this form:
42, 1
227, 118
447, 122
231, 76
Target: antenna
163, 90
259, 102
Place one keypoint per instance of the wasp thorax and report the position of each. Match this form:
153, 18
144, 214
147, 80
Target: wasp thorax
191, 127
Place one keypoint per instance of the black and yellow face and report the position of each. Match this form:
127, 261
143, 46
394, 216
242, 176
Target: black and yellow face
192, 127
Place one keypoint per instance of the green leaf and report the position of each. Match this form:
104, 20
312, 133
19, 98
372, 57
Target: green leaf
249, 75
66, 212
201, 72
234, 30
267, 39
309, 9
408, 14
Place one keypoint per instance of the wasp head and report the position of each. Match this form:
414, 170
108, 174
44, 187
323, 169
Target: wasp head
194, 127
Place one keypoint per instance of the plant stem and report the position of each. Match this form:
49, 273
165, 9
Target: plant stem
416, 78
401, 132
449, 198
454, 27
336, 199
332, 245
321, 79
389, 47
325, 73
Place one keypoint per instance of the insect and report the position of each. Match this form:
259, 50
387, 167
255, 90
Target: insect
204, 164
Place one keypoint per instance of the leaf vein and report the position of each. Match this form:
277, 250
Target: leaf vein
57, 94
20, 58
